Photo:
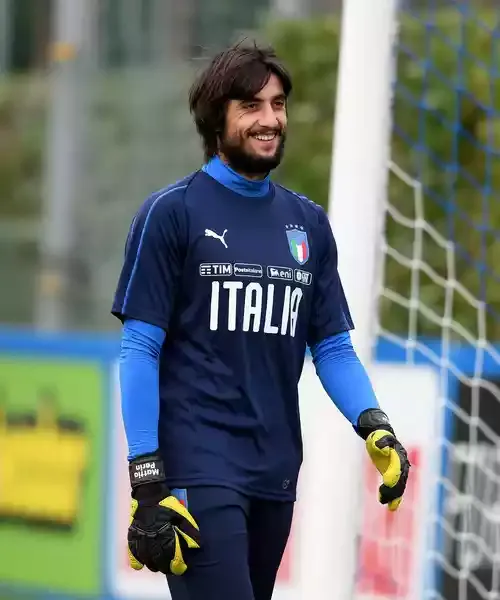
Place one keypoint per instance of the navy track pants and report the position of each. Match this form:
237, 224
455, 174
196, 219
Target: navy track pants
243, 542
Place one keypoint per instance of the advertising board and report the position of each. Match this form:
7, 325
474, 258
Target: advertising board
51, 449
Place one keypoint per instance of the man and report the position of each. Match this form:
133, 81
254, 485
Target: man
227, 277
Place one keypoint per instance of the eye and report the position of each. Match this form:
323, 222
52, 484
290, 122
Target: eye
250, 105
280, 103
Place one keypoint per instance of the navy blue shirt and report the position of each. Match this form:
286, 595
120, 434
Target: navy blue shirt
241, 275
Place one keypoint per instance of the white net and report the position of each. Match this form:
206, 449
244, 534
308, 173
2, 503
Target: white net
440, 286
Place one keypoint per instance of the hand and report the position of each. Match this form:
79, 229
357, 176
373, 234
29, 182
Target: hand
161, 529
387, 454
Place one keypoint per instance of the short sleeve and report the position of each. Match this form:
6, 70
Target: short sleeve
154, 255
329, 312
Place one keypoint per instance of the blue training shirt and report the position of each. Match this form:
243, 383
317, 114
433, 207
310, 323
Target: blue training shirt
241, 275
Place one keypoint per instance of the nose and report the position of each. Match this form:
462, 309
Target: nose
268, 117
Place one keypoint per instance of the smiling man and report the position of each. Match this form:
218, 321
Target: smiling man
227, 278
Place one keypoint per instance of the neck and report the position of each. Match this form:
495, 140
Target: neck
255, 186
250, 176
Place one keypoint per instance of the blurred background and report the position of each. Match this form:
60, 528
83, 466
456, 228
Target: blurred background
89, 131
94, 117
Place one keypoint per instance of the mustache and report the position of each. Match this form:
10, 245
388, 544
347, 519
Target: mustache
276, 130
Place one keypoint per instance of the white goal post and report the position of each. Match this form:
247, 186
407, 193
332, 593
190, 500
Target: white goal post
358, 182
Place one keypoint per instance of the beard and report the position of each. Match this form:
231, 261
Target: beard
243, 161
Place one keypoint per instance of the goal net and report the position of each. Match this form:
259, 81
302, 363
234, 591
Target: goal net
439, 291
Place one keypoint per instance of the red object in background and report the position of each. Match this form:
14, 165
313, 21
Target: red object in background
388, 539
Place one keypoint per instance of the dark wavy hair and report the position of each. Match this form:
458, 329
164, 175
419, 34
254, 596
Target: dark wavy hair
238, 73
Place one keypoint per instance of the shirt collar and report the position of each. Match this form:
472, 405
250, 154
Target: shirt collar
222, 173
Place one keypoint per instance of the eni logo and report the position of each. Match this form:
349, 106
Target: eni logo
43, 458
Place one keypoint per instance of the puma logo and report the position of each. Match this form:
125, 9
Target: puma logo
210, 233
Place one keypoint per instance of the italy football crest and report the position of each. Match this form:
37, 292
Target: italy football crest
298, 244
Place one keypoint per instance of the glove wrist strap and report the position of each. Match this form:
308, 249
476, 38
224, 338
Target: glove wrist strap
146, 469
370, 420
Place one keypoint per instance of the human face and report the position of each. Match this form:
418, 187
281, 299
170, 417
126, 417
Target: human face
254, 136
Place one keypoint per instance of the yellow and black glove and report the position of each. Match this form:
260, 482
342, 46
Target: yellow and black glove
161, 529
386, 453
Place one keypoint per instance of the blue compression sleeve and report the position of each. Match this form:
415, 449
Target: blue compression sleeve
343, 376
139, 366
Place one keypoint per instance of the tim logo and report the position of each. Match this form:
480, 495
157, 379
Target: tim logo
216, 269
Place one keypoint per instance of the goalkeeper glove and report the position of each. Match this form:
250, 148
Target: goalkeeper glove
161, 529
386, 453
